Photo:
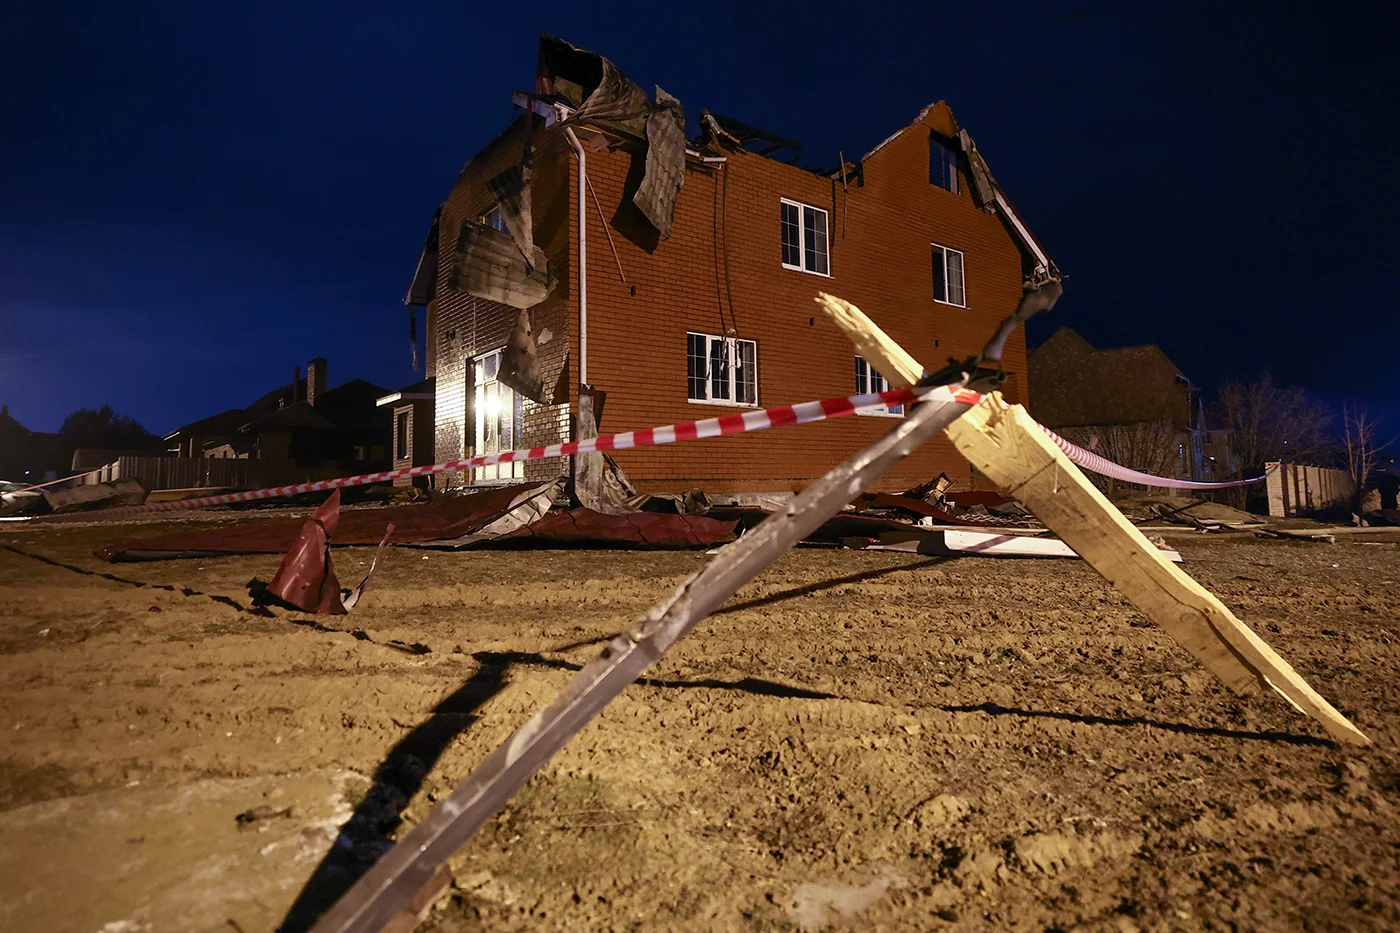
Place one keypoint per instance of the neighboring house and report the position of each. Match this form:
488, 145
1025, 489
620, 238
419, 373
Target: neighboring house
30, 456
679, 282
303, 422
412, 427
1131, 404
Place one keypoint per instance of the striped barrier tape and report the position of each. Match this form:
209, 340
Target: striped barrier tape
1091, 461
755, 420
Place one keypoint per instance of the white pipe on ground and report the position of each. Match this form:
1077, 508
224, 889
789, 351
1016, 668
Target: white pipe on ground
582, 256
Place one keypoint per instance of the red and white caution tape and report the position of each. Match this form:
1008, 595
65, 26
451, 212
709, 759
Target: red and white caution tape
755, 420
1093, 462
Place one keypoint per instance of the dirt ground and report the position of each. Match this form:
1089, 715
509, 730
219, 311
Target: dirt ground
859, 740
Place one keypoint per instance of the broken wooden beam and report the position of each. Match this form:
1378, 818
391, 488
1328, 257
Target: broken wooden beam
1006, 444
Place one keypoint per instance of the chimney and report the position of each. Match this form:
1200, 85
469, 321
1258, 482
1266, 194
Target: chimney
315, 380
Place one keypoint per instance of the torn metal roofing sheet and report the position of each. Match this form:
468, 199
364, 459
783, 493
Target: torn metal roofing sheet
665, 165
512, 191
520, 365
487, 263
449, 517
634, 529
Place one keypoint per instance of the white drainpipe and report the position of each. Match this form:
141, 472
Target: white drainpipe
582, 257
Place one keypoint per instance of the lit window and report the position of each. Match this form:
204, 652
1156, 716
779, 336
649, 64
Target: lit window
499, 413
721, 370
948, 276
868, 381
804, 238
942, 164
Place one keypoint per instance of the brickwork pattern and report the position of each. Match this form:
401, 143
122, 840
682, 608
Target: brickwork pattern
721, 271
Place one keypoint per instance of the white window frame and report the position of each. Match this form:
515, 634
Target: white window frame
731, 349
934, 256
872, 381
802, 237
497, 472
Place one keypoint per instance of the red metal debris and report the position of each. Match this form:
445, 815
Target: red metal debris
306, 578
449, 517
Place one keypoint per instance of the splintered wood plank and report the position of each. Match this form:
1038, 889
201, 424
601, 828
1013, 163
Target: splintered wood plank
880, 350
1006, 444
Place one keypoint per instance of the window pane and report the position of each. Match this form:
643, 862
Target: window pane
792, 249
940, 275
862, 377
815, 232
719, 369
955, 277
491, 418
746, 388
695, 366
942, 165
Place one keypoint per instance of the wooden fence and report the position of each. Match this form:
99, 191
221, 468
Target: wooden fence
1296, 490
195, 472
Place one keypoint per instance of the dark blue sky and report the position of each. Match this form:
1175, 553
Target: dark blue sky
196, 198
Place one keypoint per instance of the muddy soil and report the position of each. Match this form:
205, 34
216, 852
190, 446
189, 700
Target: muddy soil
857, 741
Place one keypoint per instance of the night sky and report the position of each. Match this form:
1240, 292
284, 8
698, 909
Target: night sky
195, 198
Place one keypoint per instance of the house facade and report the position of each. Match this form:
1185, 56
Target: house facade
675, 305
1131, 404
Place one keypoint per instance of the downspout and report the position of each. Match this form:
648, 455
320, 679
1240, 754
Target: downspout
582, 256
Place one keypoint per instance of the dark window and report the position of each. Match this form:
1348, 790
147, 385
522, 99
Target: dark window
942, 164
697, 365
948, 276
792, 235
401, 437
804, 238
721, 370
869, 381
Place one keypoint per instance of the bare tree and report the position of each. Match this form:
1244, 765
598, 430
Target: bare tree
1268, 422
1146, 446
1359, 441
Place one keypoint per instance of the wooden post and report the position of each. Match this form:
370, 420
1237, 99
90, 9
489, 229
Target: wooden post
1007, 445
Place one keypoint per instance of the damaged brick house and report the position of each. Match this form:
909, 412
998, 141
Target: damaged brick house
592, 257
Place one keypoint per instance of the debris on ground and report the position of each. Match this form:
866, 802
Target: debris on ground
306, 578
96, 496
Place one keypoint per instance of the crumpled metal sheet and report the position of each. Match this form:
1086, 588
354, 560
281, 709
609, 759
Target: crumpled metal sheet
520, 365
487, 264
512, 191
525, 509
635, 529
306, 577
445, 517
665, 167
605, 97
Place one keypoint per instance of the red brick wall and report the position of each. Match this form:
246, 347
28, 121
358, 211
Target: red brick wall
880, 258
879, 238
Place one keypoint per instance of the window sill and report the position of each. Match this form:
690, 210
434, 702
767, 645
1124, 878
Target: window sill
875, 413
723, 403
824, 275
951, 304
